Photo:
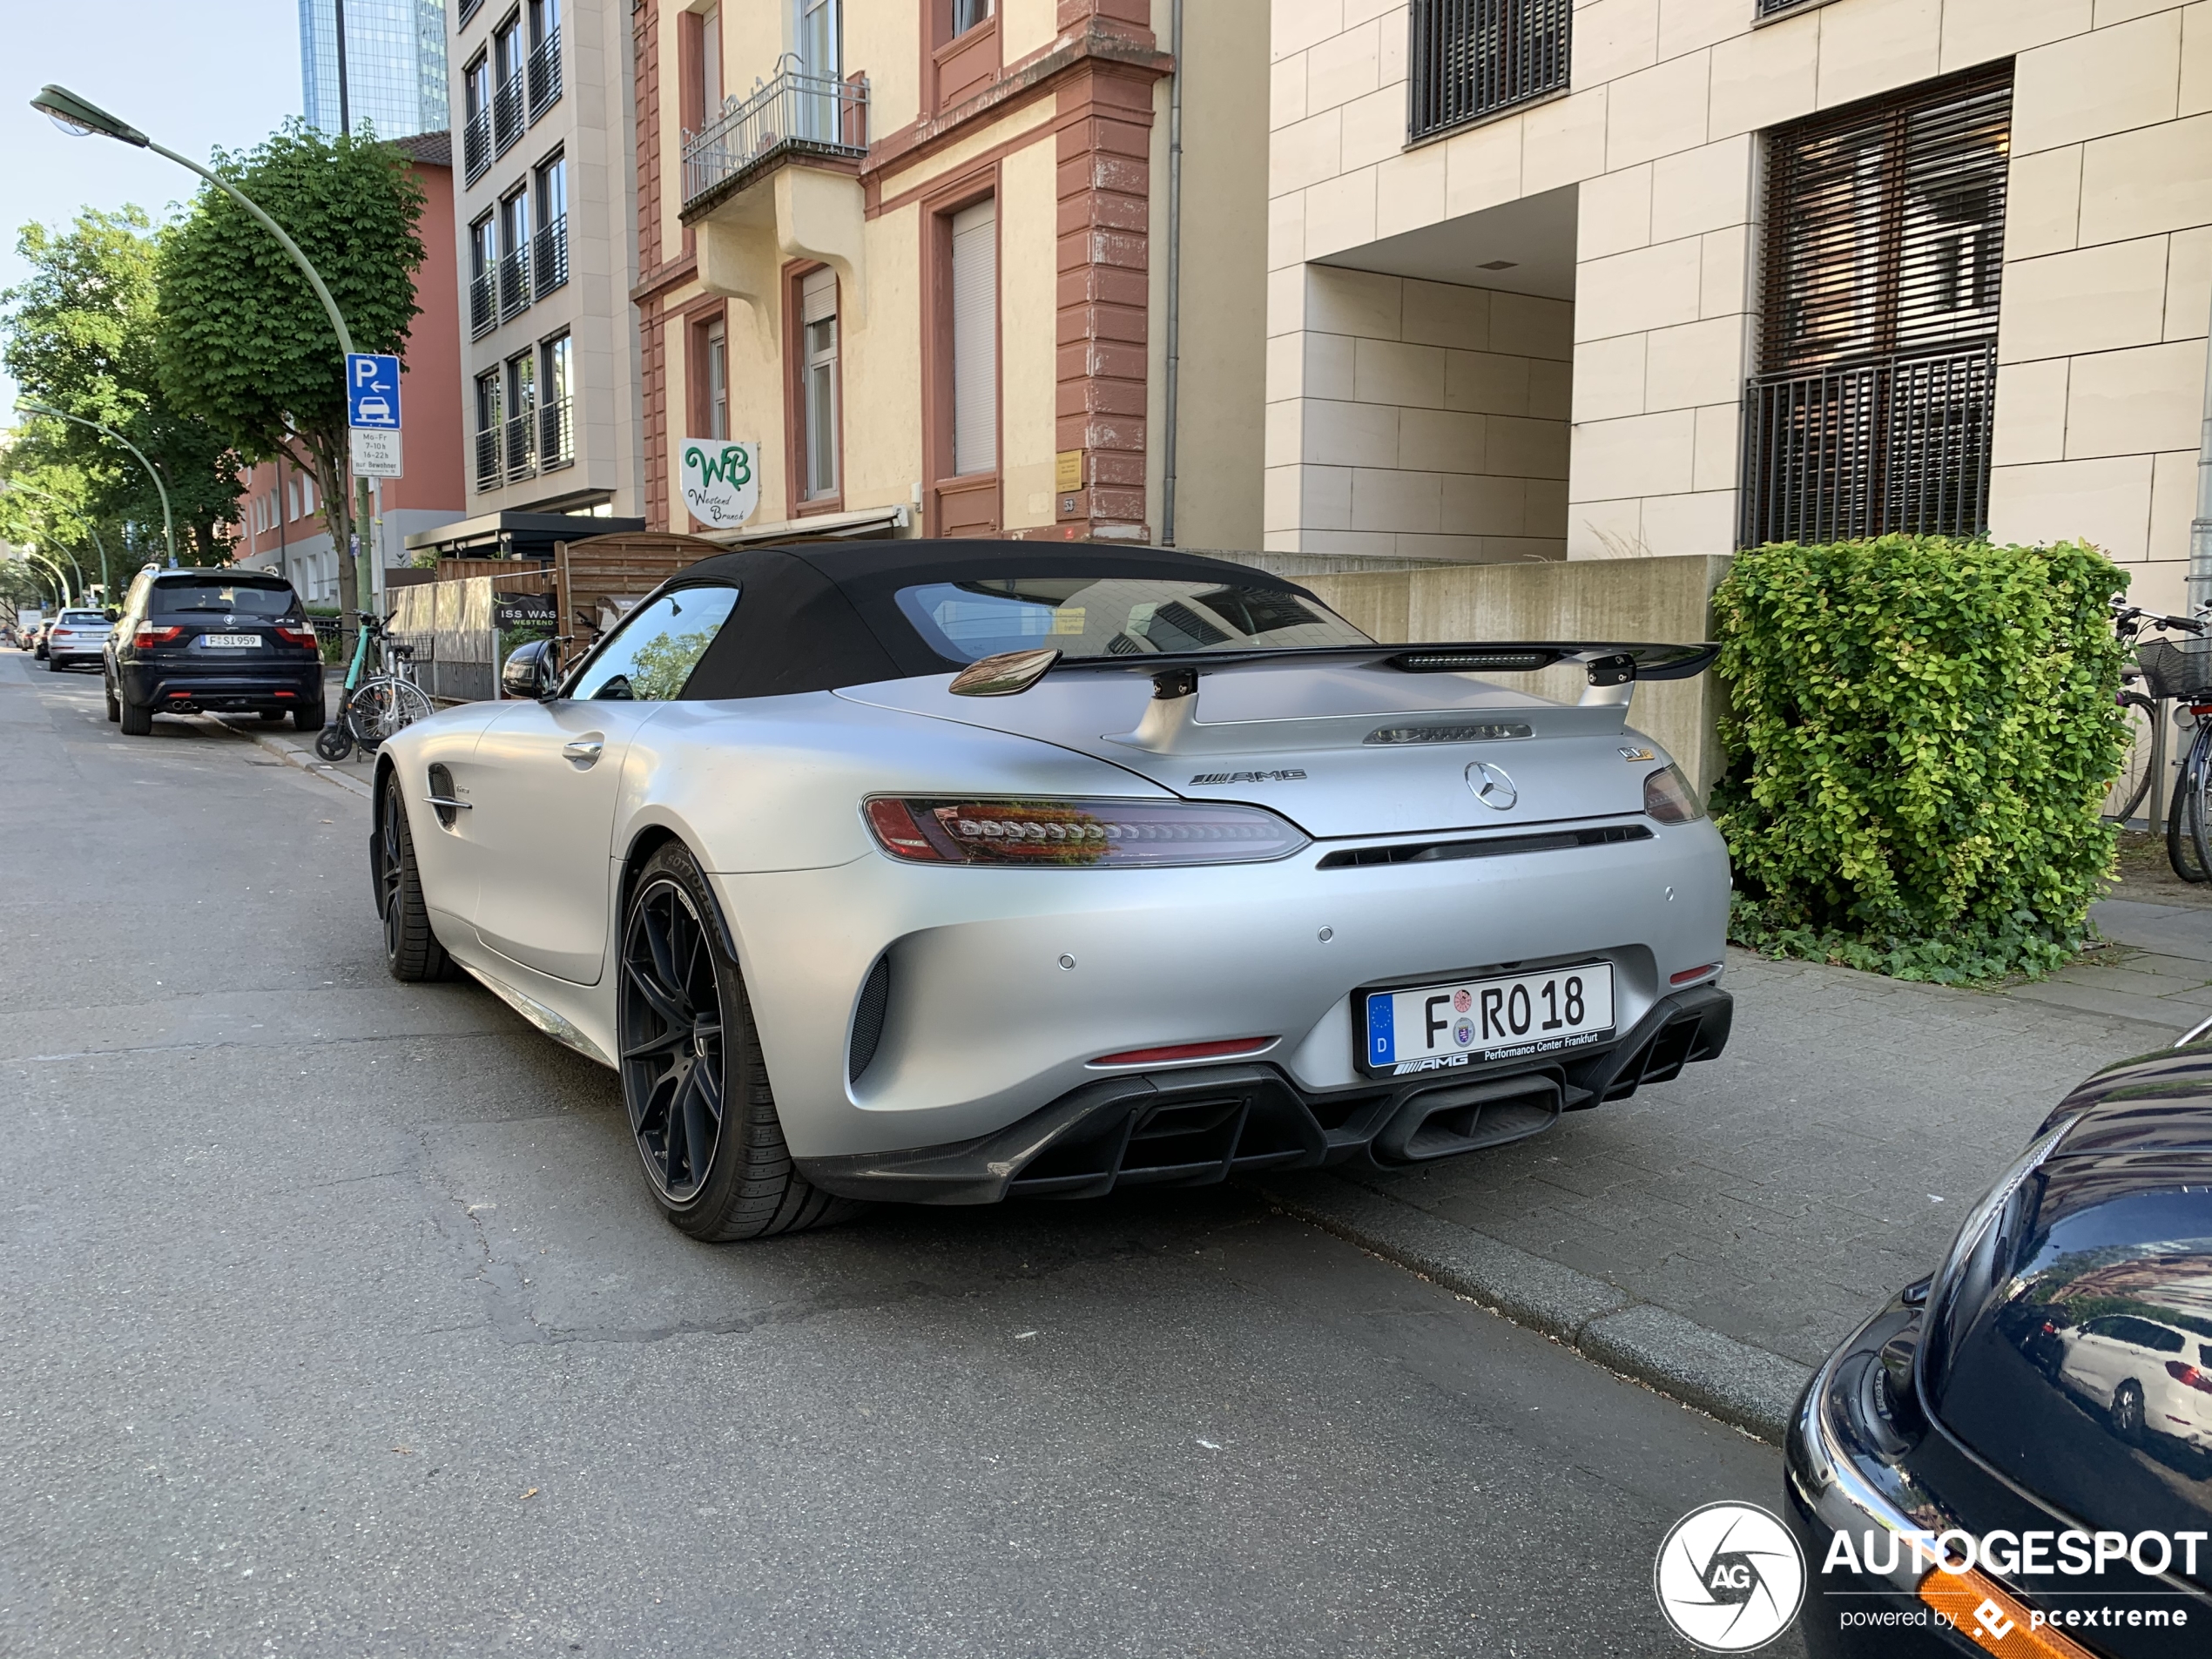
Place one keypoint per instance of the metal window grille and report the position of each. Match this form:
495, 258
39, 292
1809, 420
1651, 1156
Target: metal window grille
545, 74
520, 442
470, 9
484, 305
1472, 57
552, 256
555, 434
475, 145
1884, 246
794, 113
490, 473
514, 283
507, 114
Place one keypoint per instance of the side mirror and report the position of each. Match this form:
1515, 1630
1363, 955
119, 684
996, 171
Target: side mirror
532, 670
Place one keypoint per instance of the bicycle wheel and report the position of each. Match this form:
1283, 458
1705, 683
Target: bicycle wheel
2132, 785
380, 707
2185, 826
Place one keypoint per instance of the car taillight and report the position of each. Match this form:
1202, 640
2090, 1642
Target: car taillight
1080, 834
302, 634
149, 635
1669, 798
2188, 1376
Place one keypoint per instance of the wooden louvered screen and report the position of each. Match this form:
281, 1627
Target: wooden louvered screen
1472, 57
1884, 246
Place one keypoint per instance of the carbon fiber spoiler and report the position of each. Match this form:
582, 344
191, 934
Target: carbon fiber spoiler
1608, 664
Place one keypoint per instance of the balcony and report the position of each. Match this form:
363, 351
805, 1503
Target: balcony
557, 434
484, 305
544, 75
1471, 58
490, 475
1896, 444
514, 284
519, 440
552, 257
794, 114
475, 146
506, 121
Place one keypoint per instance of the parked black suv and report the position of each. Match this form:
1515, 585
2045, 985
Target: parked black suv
217, 641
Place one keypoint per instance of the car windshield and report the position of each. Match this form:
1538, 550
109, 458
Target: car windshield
1116, 616
231, 598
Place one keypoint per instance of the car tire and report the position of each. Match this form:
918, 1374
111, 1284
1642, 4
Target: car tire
272, 716
311, 716
412, 953
135, 722
692, 1070
2128, 1412
114, 703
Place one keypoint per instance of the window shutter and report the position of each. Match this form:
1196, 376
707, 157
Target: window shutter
976, 343
817, 295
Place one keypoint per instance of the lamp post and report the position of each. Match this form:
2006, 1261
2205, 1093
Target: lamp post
79, 117
168, 521
60, 575
107, 578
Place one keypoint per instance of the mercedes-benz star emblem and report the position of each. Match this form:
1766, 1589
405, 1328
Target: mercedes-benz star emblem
1490, 785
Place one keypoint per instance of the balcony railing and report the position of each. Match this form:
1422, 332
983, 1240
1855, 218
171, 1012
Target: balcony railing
507, 120
484, 305
514, 284
1470, 58
490, 474
519, 440
792, 114
552, 256
555, 434
545, 74
475, 146
1885, 445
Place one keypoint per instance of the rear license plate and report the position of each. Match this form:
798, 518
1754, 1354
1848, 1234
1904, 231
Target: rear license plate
1433, 1026
231, 641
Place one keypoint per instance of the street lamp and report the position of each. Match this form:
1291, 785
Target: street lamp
168, 522
60, 575
107, 577
80, 116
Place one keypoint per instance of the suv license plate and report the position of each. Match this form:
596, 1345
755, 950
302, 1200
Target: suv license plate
1430, 1027
230, 641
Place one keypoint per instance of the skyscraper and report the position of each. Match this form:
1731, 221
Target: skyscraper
393, 73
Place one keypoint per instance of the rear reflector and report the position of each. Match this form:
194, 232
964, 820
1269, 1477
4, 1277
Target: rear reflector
1184, 1051
287, 693
1690, 973
1972, 1599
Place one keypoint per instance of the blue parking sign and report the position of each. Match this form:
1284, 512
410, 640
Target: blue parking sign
372, 391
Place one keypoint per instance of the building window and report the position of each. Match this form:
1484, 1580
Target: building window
975, 338
489, 409
552, 265
820, 49
968, 14
476, 142
818, 421
1469, 59
714, 383
521, 440
515, 263
555, 404
507, 101
1872, 409
706, 86
483, 277
545, 55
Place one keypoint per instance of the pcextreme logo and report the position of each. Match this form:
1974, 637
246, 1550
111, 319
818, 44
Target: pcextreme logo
1730, 1577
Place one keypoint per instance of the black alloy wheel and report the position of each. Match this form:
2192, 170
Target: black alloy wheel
2128, 1413
692, 1075
411, 952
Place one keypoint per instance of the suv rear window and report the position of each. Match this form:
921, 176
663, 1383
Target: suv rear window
223, 598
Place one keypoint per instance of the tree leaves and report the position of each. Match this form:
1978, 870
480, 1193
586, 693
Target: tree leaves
1922, 731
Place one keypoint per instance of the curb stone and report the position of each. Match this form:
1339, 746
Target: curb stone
1743, 1386
293, 754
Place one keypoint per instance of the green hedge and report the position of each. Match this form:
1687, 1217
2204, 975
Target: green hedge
1921, 738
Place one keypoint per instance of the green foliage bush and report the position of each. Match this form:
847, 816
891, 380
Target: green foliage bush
1921, 735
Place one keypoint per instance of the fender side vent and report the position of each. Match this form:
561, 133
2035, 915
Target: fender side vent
867, 1018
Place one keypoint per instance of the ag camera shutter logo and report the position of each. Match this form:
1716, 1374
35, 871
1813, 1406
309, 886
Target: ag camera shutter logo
1730, 1577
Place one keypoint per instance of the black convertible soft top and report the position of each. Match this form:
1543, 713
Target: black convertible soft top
826, 615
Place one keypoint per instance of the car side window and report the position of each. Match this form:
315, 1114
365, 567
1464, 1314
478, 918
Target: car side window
652, 654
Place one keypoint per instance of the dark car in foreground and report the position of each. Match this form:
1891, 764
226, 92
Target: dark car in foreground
2015, 1455
213, 641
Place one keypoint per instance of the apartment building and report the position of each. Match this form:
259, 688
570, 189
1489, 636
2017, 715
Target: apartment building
1673, 276
943, 261
280, 514
543, 222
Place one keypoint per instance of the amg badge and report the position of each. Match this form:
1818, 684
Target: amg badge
1292, 776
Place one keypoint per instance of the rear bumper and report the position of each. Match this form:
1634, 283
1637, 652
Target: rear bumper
1198, 1127
162, 685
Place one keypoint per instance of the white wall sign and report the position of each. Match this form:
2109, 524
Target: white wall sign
719, 479
376, 454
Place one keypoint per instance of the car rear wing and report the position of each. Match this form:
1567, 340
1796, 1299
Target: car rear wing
1612, 668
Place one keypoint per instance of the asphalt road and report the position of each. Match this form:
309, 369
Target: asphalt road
337, 1321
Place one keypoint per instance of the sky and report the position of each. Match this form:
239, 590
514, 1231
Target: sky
191, 74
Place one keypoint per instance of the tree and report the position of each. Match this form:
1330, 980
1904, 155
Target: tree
246, 344
80, 335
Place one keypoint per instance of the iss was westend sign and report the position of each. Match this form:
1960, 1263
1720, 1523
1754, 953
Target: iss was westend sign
719, 479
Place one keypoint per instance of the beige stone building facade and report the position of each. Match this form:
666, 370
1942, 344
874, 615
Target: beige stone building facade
920, 251
1636, 277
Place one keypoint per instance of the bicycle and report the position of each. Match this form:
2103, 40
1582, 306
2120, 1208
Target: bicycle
373, 707
2181, 671
2140, 711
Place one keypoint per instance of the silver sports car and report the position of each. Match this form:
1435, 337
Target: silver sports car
948, 870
